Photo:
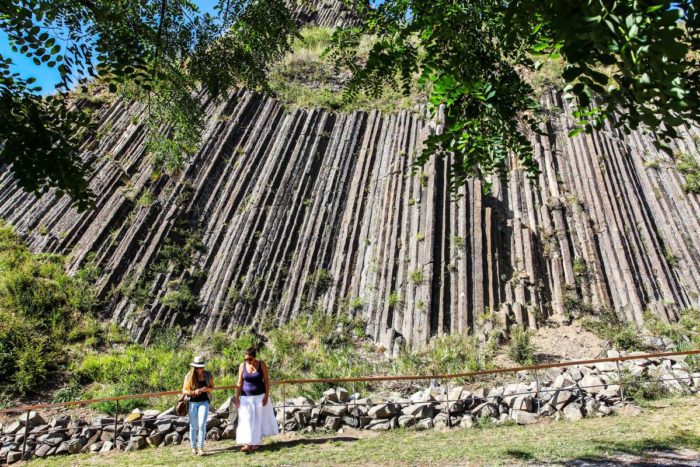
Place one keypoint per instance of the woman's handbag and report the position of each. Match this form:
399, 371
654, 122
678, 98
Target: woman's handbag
182, 405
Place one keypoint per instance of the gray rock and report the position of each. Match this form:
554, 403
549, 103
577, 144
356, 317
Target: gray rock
418, 410
592, 384
95, 447
107, 446
14, 456
151, 413
334, 410
43, 450
136, 443
563, 381
330, 395
525, 403
165, 427
560, 399
76, 445
213, 423
229, 432
53, 439
176, 438
341, 394
606, 367
610, 392
41, 429
573, 411
155, 439
352, 422
522, 417
332, 423
167, 414
485, 410
62, 449
379, 425
214, 434
467, 421
422, 396
302, 417
425, 424
383, 411
406, 421
12, 428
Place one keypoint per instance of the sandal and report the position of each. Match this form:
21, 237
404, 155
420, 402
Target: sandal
245, 448
255, 448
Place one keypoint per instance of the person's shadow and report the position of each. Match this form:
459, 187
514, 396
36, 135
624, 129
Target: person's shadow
286, 444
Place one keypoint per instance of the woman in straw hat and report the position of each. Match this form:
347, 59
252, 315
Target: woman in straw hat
256, 419
198, 386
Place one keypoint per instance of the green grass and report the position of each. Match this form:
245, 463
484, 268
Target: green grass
307, 78
668, 424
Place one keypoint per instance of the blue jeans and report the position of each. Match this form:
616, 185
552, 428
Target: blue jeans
198, 412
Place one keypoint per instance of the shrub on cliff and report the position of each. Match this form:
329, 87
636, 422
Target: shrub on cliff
42, 311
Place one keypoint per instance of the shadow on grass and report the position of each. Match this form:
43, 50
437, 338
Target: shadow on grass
645, 452
279, 445
520, 455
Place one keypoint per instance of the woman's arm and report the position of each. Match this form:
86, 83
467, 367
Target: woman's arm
210, 387
266, 377
239, 385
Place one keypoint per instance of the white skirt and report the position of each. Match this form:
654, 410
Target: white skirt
255, 420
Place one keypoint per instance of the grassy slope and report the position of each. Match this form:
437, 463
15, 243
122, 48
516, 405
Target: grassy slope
663, 425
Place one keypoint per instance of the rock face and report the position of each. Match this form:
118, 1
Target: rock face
295, 211
327, 13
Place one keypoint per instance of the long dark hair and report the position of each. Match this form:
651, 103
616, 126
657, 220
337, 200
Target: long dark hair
252, 351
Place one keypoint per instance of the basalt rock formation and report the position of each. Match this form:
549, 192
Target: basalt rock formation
284, 213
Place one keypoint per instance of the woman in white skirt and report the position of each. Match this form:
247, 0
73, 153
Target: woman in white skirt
256, 419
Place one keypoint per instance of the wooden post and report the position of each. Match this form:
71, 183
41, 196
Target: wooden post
619, 380
116, 417
284, 408
26, 435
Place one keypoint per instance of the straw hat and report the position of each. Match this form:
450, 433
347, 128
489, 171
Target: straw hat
198, 362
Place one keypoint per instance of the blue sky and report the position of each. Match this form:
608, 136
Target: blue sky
47, 77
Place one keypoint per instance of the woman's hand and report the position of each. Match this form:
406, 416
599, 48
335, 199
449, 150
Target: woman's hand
265, 399
237, 402
197, 392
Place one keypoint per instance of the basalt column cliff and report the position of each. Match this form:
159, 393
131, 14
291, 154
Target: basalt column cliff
284, 213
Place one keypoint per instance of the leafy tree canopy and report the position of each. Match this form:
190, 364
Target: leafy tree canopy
634, 61
160, 50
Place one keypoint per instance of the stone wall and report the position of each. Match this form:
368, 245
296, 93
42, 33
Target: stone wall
570, 394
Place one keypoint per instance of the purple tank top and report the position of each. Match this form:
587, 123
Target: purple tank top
253, 383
